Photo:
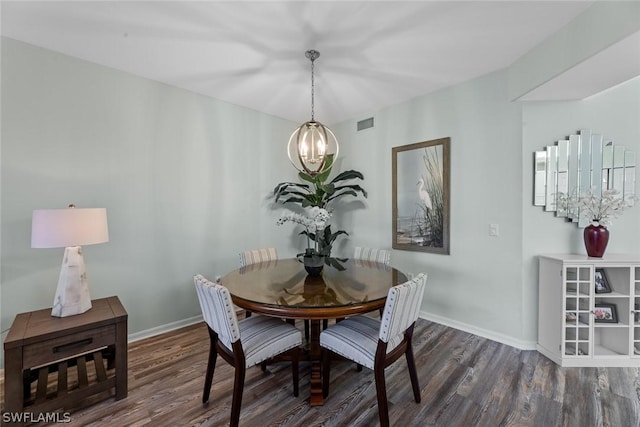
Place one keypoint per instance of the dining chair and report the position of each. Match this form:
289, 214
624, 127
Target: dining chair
372, 254
243, 343
258, 255
255, 256
376, 344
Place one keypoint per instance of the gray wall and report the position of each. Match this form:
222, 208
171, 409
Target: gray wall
184, 178
480, 282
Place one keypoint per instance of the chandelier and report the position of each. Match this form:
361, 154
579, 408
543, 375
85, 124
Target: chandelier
312, 143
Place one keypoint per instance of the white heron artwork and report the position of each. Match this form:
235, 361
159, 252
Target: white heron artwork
421, 196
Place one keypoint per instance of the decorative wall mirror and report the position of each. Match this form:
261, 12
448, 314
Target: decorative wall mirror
582, 163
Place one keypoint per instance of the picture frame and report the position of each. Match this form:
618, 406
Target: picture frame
605, 313
421, 196
601, 282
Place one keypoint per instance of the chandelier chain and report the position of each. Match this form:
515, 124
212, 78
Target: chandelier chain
312, 90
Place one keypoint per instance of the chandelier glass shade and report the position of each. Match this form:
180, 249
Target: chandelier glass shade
311, 143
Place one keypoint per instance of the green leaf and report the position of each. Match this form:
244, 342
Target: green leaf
284, 188
337, 233
293, 200
335, 263
280, 187
328, 189
306, 177
326, 170
350, 174
354, 187
285, 193
328, 163
343, 193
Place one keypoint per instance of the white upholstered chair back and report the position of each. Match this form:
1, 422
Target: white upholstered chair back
372, 254
218, 310
402, 307
258, 255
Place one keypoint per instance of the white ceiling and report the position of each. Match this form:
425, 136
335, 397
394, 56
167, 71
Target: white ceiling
373, 54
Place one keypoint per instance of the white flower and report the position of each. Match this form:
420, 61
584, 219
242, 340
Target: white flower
315, 222
599, 209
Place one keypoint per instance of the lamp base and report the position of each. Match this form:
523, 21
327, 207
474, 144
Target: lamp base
72, 295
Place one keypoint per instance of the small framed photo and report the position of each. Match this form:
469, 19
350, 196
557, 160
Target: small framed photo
602, 283
606, 313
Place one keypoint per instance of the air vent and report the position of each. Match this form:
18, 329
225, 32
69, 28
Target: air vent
365, 124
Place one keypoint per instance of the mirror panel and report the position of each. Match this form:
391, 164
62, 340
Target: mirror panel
572, 189
584, 179
562, 183
552, 164
597, 156
629, 175
578, 165
618, 168
540, 178
607, 164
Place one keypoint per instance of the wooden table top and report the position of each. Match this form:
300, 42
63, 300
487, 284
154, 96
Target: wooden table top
282, 288
32, 326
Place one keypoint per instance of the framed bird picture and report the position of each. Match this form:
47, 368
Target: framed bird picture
421, 196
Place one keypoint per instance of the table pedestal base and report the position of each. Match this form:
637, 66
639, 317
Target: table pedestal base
315, 398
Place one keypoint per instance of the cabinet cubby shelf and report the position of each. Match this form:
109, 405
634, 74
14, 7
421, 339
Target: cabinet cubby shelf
612, 295
611, 325
567, 331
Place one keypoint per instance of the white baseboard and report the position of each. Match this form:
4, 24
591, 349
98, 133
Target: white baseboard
485, 333
148, 333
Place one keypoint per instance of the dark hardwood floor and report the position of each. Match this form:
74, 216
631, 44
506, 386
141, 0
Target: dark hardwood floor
465, 380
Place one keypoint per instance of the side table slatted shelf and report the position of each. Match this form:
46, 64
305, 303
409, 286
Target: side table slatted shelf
49, 387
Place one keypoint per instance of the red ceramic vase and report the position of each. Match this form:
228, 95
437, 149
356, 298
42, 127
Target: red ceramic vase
596, 238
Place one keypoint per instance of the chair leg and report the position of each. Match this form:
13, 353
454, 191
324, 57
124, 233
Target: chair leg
326, 366
306, 330
381, 393
294, 370
247, 314
325, 324
238, 386
413, 374
211, 366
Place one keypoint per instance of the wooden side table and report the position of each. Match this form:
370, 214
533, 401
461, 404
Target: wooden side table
39, 344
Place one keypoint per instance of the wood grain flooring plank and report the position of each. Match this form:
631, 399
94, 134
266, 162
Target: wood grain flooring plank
581, 406
500, 381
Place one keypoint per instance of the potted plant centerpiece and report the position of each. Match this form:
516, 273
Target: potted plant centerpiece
317, 195
314, 223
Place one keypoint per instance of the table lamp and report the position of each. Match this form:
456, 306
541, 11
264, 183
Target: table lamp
70, 228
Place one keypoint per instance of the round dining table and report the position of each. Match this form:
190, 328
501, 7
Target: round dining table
282, 288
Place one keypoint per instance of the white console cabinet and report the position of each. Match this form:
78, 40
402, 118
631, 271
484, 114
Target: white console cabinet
578, 326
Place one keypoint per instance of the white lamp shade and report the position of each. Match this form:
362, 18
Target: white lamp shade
61, 228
